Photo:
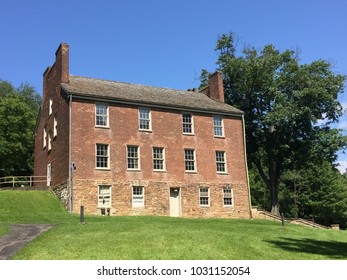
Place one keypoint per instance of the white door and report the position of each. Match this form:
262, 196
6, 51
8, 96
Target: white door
49, 175
175, 202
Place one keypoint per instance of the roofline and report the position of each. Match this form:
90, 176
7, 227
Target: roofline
150, 104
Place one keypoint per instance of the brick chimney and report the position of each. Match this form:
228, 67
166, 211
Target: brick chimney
62, 62
215, 88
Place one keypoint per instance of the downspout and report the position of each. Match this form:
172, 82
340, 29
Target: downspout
70, 157
246, 165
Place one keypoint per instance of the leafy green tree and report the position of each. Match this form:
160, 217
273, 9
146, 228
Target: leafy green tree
283, 102
18, 112
317, 192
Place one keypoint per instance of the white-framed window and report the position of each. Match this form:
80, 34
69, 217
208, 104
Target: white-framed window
104, 196
49, 174
221, 162
55, 127
50, 108
133, 157
158, 159
189, 160
228, 196
204, 196
101, 115
49, 140
102, 158
138, 199
44, 137
145, 119
218, 128
187, 123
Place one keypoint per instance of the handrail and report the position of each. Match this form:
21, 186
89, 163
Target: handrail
23, 181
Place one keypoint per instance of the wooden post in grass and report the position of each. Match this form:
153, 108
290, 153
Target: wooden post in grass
82, 214
282, 218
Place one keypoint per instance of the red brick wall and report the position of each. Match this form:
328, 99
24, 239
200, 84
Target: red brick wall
58, 155
166, 133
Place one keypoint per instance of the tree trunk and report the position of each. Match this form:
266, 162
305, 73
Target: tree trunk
272, 183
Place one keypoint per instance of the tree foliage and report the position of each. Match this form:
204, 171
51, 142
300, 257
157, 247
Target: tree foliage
18, 112
284, 103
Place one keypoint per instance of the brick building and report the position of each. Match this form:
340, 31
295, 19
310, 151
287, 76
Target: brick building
128, 149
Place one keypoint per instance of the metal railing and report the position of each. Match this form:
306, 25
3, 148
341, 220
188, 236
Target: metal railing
23, 181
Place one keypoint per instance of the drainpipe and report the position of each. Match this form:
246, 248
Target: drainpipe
70, 157
245, 155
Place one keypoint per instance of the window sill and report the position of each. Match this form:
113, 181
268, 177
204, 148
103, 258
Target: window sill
205, 206
218, 136
159, 171
102, 126
191, 172
145, 130
188, 134
222, 173
134, 170
102, 169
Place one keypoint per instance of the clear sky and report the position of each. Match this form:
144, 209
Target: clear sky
162, 43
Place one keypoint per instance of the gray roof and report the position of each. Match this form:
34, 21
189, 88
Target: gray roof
121, 92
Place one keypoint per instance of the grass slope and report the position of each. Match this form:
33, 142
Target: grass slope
162, 237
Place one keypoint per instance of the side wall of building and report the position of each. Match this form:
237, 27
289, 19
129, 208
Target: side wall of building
52, 131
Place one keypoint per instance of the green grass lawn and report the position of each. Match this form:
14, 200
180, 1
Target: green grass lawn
159, 238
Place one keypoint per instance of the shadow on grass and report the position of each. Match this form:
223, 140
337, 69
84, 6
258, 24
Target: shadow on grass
331, 249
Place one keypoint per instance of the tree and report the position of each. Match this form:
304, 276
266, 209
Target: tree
18, 111
318, 192
283, 102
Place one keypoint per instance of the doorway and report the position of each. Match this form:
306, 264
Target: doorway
175, 202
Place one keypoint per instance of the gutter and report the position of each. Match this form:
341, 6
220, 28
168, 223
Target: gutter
70, 156
246, 166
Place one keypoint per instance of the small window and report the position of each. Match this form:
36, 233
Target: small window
187, 123
133, 158
55, 126
101, 115
158, 159
50, 106
102, 156
44, 137
144, 119
189, 160
228, 196
218, 126
138, 197
204, 197
49, 140
221, 162
104, 197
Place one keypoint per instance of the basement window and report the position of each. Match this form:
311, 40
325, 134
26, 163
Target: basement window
204, 196
228, 196
104, 197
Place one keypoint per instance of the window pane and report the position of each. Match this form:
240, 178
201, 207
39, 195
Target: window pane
187, 123
204, 196
158, 158
220, 161
102, 155
101, 114
144, 118
218, 125
133, 159
189, 159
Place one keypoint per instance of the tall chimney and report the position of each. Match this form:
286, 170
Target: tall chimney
62, 62
215, 86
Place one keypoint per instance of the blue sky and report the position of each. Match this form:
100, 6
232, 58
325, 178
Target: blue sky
162, 43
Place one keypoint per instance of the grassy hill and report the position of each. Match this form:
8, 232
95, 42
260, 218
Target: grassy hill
161, 237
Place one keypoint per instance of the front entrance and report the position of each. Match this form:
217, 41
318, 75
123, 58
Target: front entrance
175, 202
